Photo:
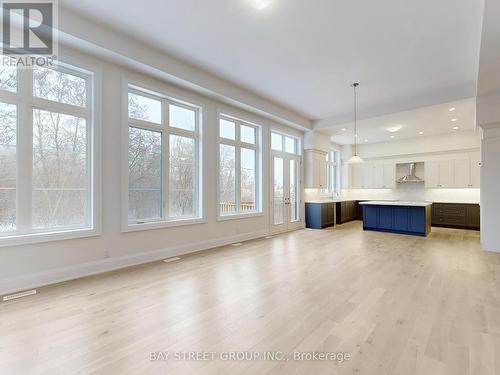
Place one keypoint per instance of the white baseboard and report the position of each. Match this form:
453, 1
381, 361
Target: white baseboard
13, 285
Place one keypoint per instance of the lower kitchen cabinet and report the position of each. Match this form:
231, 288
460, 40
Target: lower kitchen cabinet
414, 220
347, 211
320, 215
456, 215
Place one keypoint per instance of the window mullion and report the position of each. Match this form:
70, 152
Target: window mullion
237, 161
165, 168
24, 152
53, 106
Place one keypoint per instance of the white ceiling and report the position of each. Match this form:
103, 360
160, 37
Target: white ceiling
304, 54
430, 120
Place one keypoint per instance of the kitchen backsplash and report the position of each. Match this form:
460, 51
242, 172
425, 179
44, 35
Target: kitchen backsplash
416, 192
404, 192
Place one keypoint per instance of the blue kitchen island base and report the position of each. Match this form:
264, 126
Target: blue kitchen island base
413, 218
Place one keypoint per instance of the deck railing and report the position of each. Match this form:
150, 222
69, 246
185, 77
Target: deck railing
228, 207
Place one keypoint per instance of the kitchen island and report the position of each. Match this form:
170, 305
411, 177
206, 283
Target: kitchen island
413, 218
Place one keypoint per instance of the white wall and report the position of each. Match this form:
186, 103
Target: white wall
33, 265
417, 150
314, 140
488, 118
450, 142
490, 184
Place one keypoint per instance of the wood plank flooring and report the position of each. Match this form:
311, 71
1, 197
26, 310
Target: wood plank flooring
398, 304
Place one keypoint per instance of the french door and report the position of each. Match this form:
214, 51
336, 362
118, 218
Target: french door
285, 194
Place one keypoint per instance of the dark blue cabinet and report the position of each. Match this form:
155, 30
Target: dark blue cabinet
414, 220
400, 218
320, 215
370, 216
385, 217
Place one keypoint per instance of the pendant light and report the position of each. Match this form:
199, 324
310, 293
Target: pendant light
355, 159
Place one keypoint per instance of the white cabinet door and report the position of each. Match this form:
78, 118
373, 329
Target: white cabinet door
309, 170
357, 176
475, 170
462, 173
322, 174
446, 174
315, 170
374, 175
315, 174
389, 176
378, 176
431, 174
368, 176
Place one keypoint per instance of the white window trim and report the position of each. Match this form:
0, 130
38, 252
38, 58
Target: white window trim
258, 166
283, 143
161, 94
25, 103
328, 192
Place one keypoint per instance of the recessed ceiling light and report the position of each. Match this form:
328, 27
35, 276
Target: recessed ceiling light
355, 135
452, 109
392, 136
421, 133
455, 128
394, 129
366, 140
260, 4
344, 129
453, 119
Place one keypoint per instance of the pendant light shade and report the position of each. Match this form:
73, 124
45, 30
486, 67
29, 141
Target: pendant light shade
356, 159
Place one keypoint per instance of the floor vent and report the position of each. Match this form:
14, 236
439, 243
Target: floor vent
168, 260
236, 244
19, 295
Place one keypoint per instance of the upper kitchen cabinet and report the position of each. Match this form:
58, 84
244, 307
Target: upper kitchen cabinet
475, 167
467, 171
315, 170
439, 174
461, 172
389, 179
374, 175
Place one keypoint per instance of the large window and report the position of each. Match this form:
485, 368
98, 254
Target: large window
163, 159
46, 151
333, 172
239, 189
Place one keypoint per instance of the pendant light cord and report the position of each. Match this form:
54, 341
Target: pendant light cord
355, 85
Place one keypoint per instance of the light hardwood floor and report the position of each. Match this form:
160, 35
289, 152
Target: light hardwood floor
398, 304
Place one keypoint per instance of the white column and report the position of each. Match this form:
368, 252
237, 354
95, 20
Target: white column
490, 187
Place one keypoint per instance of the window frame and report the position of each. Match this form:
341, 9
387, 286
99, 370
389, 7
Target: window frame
166, 130
26, 102
332, 160
284, 136
238, 145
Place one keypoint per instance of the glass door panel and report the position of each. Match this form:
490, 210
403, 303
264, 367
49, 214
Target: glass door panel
286, 197
278, 192
294, 194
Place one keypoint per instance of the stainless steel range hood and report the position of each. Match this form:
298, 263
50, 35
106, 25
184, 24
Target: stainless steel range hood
410, 176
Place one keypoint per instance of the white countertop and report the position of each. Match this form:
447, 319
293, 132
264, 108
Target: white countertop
332, 200
397, 203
